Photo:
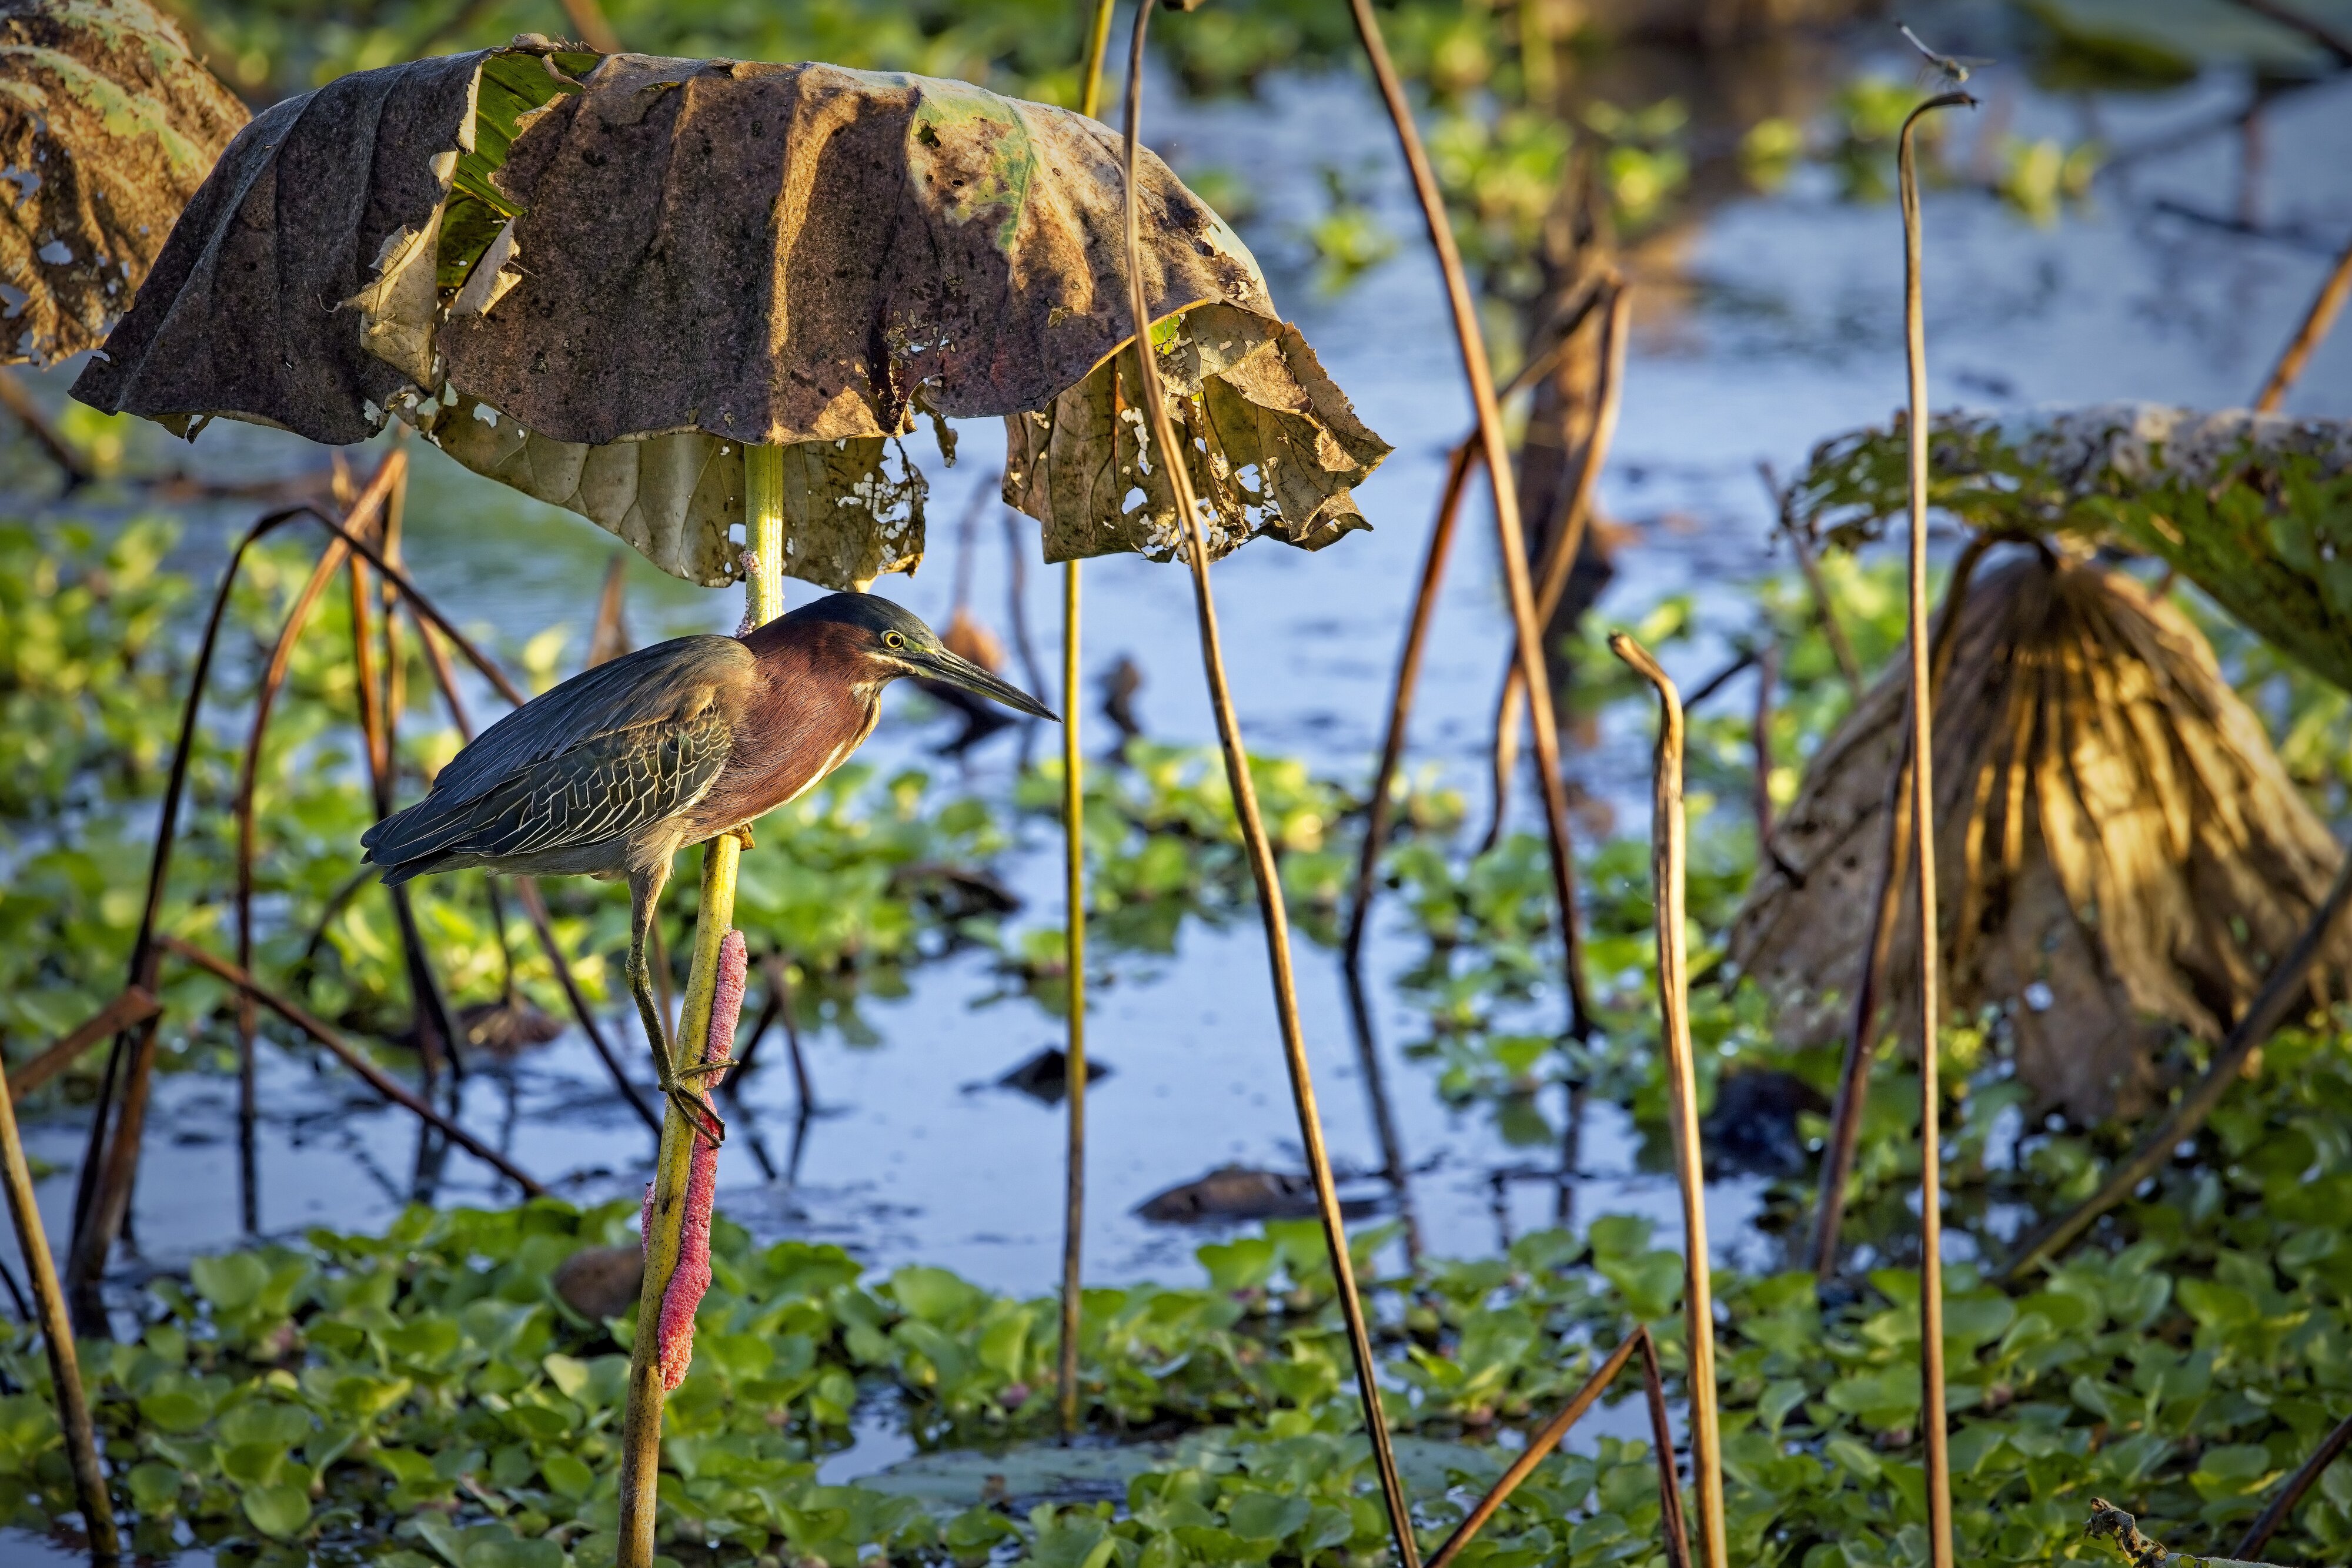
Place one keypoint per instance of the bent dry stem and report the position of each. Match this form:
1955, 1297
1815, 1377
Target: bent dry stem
1932, 1420
1668, 855
1510, 536
641, 1430
1253, 836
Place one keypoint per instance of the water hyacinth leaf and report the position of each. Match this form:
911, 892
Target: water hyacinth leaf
456, 241
2255, 509
108, 125
1274, 447
279, 1511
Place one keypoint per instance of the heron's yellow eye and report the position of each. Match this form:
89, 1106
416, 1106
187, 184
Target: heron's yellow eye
893, 640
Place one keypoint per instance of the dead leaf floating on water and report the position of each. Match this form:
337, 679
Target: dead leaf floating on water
2121, 851
595, 278
108, 125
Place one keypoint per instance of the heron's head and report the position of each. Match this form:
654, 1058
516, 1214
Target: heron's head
892, 641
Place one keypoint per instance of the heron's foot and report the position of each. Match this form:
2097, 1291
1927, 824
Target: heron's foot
741, 835
700, 1113
702, 1070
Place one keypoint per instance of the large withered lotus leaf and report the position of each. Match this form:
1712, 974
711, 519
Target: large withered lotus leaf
2256, 509
1272, 444
2121, 853
595, 278
108, 125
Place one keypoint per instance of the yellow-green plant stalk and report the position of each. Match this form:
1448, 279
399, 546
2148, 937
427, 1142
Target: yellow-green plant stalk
57, 1334
1073, 856
666, 1210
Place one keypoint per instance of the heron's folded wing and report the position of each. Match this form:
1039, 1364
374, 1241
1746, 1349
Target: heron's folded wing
602, 789
624, 744
644, 687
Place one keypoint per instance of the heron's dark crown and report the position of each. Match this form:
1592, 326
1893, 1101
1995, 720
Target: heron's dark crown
865, 611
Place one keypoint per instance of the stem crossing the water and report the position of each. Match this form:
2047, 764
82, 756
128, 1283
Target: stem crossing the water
1260, 849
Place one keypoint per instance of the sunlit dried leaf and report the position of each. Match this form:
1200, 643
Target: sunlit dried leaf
2120, 851
108, 125
1274, 447
594, 278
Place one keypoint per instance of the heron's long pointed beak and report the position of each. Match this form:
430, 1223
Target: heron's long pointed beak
958, 671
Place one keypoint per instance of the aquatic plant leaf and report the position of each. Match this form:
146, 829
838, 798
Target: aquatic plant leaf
2256, 509
593, 278
675, 498
1274, 447
108, 125
2121, 849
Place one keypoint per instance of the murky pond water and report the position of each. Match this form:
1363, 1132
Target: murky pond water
1772, 323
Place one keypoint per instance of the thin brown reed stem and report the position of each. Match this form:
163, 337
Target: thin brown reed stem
101, 1194
2325, 307
1510, 536
1810, 566
132, 1007
1253, 836
110, 1161
1668, 855
590, 26
1894, 870
1932, 1421
2260, 1020
1539, 1448
57, 1333
777, 1009
1662, 1439
1768, 676
436, 660
1408, 681
352, 1057
2282, 1507
1567, 540
1467, 453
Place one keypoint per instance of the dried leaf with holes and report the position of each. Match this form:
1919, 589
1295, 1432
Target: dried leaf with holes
596, 278
108, 125
1273, 445
2125, 852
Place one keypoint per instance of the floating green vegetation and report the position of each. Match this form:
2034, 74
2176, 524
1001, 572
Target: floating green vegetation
428, 1392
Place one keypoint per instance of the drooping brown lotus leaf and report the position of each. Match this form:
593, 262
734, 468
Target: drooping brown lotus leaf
107, 127
595, 278
2119, 850
1273, 445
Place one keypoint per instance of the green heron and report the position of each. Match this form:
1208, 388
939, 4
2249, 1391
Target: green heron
609, 774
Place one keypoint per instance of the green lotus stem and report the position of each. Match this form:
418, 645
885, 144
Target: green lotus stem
642, 1419
1074, 942
57, 1334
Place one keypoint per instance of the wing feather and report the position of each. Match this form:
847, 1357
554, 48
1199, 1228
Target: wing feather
619, 747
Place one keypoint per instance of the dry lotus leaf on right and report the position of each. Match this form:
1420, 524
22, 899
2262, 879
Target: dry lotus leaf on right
2121, 853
